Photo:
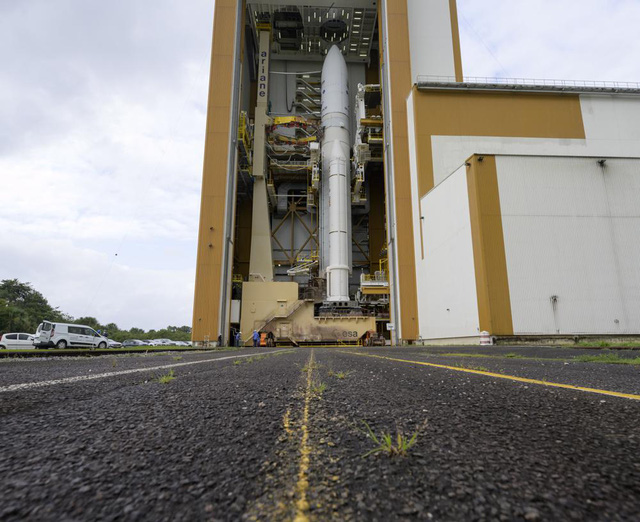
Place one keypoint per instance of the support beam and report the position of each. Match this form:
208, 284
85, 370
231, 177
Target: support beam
261, 262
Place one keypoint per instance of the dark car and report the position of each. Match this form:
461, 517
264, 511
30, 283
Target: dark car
132, 343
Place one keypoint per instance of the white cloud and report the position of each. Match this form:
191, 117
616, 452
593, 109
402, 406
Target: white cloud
557, 39
103, 111
82, 281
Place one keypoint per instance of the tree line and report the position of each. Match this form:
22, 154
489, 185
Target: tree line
23, 308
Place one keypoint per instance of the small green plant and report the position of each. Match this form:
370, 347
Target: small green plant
397, 446
513, 356
177, 358
237, 362
318, 388
342, 375
309, 367
478, 368
166, 378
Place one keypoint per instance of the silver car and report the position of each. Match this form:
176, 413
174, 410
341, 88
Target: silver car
16, 341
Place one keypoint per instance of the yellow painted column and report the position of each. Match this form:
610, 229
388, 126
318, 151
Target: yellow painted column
399, 63
492, 282
211, 236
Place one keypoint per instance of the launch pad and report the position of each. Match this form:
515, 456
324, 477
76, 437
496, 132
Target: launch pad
310, 261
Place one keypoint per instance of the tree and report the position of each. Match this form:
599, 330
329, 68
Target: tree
24, 308
89, 321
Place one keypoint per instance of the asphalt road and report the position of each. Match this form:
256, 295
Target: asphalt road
533, 435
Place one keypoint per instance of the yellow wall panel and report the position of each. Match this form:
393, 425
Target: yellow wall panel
399, 64
206, 309
465, 113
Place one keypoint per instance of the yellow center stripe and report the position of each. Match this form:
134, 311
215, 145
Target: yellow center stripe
302, 504
508, 377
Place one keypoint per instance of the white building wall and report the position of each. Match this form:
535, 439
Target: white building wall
430, 38
572, 230
447, 297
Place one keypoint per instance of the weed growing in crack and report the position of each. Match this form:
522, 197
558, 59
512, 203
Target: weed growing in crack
318, 388
479, 368
177, 358
309, 367
339, 375
166, 378
386, 443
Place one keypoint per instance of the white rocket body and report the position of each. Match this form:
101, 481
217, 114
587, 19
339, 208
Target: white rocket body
336, 173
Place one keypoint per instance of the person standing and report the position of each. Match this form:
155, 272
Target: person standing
256, 339
238, 338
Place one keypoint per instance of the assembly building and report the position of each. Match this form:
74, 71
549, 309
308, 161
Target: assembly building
357, 185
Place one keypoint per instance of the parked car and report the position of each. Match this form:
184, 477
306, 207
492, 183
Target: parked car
114, 344
151, 342
16, 341
164, 342
133, 342
182, 343
63, 335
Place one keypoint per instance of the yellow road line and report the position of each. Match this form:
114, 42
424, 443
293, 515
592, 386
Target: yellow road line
507, 377
302, 504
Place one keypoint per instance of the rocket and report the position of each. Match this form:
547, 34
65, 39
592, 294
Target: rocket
336, 174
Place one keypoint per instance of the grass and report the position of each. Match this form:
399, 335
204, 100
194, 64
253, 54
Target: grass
477, 368
608, 358
142, 350
339, 375
309, 367
166, 378
387, 444
607, 344
318, 388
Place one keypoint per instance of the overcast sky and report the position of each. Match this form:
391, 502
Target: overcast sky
102, 117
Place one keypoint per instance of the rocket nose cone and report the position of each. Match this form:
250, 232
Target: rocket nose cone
334, 61
335, 50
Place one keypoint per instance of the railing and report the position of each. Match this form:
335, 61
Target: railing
376, 278
532, 82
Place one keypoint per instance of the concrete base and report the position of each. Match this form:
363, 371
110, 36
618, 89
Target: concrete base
453, 341
274, 307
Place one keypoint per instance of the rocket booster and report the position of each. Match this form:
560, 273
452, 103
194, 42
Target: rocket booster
336, 173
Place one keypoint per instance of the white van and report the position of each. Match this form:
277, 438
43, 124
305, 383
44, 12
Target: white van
63, 335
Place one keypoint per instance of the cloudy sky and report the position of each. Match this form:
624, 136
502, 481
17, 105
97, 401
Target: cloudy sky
102, 115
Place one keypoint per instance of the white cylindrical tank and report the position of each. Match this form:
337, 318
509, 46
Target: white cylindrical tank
336, 172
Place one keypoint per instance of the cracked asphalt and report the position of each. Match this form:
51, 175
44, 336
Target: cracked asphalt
273, 434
